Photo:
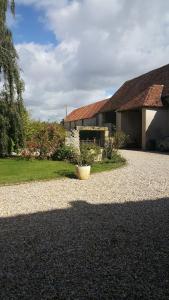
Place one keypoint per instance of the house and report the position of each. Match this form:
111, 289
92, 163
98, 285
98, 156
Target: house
94, 114
92, 122
140, 108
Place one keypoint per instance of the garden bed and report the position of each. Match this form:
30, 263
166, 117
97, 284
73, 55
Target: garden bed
15, 171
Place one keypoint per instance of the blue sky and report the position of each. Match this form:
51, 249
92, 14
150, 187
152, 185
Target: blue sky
78, 52
29, 26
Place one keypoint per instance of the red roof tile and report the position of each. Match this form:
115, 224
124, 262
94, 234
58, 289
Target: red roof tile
86, 112
151, 97
132, 88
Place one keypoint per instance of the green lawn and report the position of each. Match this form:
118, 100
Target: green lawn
15, 171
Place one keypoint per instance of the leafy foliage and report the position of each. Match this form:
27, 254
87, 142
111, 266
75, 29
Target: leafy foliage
44, 137
66, 153
11, 105
9, 69
117, 141
120, 139
11, 127
115, 158
88, 153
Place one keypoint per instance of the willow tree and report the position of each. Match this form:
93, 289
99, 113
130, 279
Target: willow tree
8, 56
11, 105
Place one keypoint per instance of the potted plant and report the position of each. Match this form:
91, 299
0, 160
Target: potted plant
85, 160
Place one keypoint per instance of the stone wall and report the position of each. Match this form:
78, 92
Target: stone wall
72, 139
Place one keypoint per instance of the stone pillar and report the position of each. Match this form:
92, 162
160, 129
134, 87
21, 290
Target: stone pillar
106, 135
72, 139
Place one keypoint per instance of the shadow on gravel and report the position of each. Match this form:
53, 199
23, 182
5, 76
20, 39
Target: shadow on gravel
66, 173
104, 251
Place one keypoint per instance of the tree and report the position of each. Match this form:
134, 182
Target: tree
11, 125
11, 104
9, 69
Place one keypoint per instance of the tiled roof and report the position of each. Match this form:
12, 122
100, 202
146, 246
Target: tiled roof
143, 91
133, 88
86, 112
151, 97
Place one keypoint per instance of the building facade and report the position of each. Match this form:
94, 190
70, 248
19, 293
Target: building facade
140, 108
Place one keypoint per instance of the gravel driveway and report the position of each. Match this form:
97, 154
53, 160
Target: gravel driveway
105, 238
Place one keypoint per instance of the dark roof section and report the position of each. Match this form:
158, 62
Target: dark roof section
132, 88
86, 112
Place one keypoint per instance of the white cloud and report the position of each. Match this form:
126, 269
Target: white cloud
48, 87
102, 43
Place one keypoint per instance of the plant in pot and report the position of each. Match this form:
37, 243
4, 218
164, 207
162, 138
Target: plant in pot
85, 160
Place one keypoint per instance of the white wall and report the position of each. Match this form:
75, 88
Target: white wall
157, 123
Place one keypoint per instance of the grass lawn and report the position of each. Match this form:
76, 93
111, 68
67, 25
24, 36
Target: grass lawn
15, 171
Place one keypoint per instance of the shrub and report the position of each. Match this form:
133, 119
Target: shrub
44, 138
108, 149
65, 153
120, 140
116, 157
26, 154
88, 154
117, 141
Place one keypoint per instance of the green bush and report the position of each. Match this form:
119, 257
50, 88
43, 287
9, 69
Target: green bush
116, 157
67, 153
88, 154
117, 141
120, 139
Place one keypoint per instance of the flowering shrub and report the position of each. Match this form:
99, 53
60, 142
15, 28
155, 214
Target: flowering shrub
44, 139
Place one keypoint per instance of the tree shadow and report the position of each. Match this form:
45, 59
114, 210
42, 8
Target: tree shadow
105, 251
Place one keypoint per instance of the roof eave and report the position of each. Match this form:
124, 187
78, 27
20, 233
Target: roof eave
139, 107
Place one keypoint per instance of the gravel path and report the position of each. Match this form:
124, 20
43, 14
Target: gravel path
105, 238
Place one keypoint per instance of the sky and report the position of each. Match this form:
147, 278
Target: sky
75, 52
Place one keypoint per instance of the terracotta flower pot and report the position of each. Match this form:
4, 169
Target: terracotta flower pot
83, 172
